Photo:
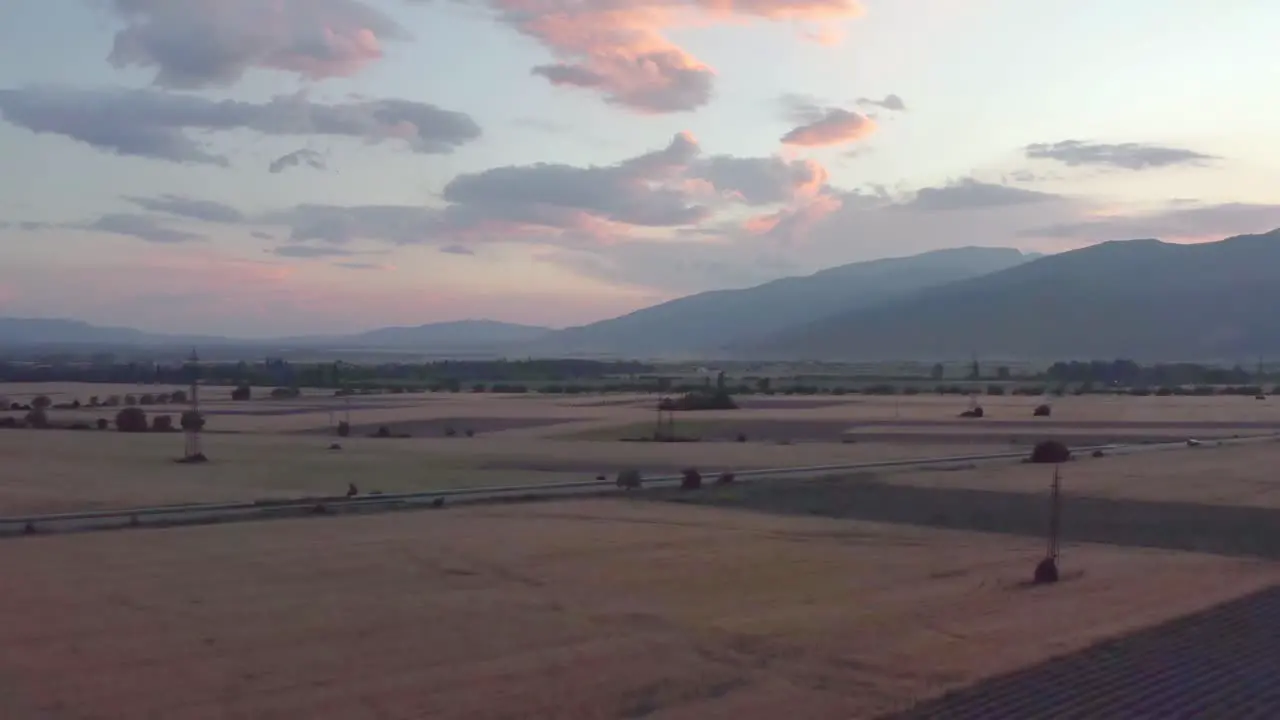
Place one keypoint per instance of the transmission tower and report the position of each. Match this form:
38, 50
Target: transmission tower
191, 431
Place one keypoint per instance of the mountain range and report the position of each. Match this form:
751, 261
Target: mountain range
1141, 299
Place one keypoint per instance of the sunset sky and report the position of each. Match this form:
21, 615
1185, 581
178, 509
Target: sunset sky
259, 167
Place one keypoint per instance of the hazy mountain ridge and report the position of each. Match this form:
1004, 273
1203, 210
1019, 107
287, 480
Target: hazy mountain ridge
454, 334
703, 325
1142, 299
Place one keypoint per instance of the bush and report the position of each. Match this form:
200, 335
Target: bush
1042, 411
285, 393
103, 424
41, 402
742, 437
130, 400
1050, 452
147, 399
995, 389
976, 412
131, 420
242, 392
725, 478
93, 401
162, 423
344, 428
112, 401
690, 479
38, 418
629, 479
192, 421
700, 400
450, 432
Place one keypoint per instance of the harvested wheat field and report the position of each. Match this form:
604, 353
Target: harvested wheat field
50, 471
586, 609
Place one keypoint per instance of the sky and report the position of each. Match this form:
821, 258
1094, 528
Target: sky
281, 167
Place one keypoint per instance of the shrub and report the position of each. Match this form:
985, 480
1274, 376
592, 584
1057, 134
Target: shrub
690, 479
469, 432
725, 478
93, 401
344, 428
130, 400
1051, 452
976, 412
38, 418
450, 432
131, 420
700, 400
995, 389
8, 422
41, 402
383, 432
103, 423
742, 437
112, 401
1042, 411
242, 392
629, 479
192, 421
162, 423
285, 393
147, 399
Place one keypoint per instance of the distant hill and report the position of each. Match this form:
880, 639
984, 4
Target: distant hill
462, 332
1141, 299
703, 325
466, 334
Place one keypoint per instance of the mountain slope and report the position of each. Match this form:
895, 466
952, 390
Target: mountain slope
705, 323
1142, 299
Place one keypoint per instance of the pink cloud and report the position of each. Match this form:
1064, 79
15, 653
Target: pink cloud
618, 47
834, 126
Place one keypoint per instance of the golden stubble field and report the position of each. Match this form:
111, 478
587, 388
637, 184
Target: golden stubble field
280, 448
577, 609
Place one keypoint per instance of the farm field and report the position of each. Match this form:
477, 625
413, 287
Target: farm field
585, 609
266, 448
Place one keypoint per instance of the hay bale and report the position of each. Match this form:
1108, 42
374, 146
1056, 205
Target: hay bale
630, 480
1046, 572
1042, 411
690, 479
1050, 452
132, 420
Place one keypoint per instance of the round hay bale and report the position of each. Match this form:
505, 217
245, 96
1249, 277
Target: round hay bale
1050, 452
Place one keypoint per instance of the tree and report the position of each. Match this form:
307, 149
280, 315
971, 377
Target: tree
178, 396
41, 402
131, 420
1002, 373
38, 418
162, 423
192, 421
242, 392
937, 372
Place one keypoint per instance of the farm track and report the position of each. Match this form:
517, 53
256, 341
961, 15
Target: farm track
1223, 662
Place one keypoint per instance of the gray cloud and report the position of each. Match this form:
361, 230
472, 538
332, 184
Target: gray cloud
142, 227
147, 123
361, 266
673, 187
310, 158
1127, 156
890, 102
1181, 220
202, 43
206, 210
971, 194
309, 251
